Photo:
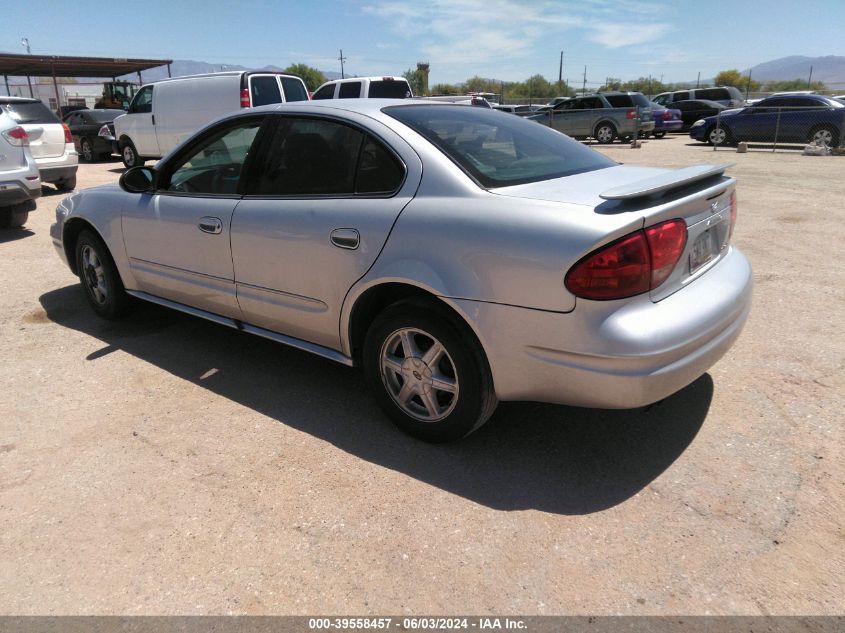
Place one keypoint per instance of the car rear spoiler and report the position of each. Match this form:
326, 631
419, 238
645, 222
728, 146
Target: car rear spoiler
664, 182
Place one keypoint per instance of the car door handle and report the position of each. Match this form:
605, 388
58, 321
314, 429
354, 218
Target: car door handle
346, 238
210, 225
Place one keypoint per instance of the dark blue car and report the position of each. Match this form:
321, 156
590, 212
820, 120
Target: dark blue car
802, 118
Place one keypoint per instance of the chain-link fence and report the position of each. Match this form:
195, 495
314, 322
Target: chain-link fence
774, 129
599, 125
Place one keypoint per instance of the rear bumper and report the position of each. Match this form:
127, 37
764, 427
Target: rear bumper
667, 126
19, 185
615, 354
58, 168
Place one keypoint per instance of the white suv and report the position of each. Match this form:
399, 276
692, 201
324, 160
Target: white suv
50, 141
20, 184
364, 88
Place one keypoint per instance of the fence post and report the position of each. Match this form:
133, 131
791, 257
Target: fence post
637, 126
718, 127
777, 131
842, 133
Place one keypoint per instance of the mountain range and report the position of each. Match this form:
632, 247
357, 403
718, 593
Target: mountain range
829, 69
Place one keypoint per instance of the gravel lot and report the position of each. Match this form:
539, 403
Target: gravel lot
164, 465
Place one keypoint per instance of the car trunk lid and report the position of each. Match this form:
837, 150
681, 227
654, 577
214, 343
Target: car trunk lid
46, 134
626, 198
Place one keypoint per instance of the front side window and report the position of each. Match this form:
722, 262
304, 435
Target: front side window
496, 150
265, 90
680, 96
326, 92
143, 101
214, 166
350, 90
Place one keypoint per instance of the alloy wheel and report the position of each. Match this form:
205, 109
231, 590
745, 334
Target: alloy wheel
95, 277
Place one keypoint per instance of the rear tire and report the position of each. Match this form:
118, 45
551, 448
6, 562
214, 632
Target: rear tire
659, 134
130, 155
605, 133
87, 150
99, 277
15, 217
428, 373
66, 184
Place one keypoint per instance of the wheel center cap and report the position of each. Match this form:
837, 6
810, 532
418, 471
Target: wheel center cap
416, 372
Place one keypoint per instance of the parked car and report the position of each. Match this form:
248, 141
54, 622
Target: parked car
695, 109
93, 133
67, 109
605, 116
519, 110
365, 88
460, 256
470, 100
728, 96
165, 113
50, 141
665, 120
20, 183
795, 119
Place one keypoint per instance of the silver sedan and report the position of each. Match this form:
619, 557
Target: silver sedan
461, 256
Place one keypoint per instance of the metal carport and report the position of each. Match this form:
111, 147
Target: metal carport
66, 66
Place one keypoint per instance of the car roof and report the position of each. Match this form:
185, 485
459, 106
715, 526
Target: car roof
373, 78
19, 100
368, 107
224, 73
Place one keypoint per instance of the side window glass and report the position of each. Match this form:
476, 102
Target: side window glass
143, 101
310, 157
350, 90
215, 166
326, 92
378, 170
294, 89
265, 90
680, 96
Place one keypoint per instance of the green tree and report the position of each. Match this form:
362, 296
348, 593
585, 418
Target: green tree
480, 84
734, 78
793, 84
535, 87
446, 89
416, 80
312, 77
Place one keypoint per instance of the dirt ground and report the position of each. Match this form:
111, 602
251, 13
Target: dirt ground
166, 465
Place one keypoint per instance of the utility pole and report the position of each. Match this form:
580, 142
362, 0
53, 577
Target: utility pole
560, 74
810, 80
25, 44
698, 81
748, 84
584, 87
342, 59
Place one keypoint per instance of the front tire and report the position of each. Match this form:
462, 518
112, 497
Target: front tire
658, 134
605, 133
130, 155
87, 150
718, 136
99, 277
428, 373
824, 135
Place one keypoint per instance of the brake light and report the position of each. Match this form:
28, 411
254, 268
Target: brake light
667, 115
68, 135
245, 101
631, 265
631, 114
17, 136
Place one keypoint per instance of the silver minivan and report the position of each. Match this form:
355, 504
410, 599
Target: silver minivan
726, 95
165, 113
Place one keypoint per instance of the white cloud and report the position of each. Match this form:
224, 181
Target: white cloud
619, 35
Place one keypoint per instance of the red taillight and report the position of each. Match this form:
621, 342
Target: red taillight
17, 136
667, 115
68, 135
666, 241
631, 114
245, 102
632, 265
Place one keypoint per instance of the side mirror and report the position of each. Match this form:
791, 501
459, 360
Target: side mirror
139, 180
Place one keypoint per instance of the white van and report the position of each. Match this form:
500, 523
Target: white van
165, 113
365, 87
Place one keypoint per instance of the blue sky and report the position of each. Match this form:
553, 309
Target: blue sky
504, 39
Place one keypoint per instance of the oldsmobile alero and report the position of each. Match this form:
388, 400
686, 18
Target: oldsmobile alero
461, 256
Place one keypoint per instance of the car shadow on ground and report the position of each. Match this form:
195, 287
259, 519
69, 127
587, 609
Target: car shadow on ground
11, 235
556, 459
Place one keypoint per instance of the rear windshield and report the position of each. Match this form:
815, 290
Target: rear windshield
391, 89
294, 89
497, 149
30, 112
104, 116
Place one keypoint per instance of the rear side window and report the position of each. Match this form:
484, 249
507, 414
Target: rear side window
265, 90
30, 112
326, 92
619, 101
496, 150
683, 96
713, 94
350, 90
294, 89
378, 170
390, 89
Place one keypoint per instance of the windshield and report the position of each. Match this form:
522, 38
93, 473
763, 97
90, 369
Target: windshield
391, 89
497, 149
29, 112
